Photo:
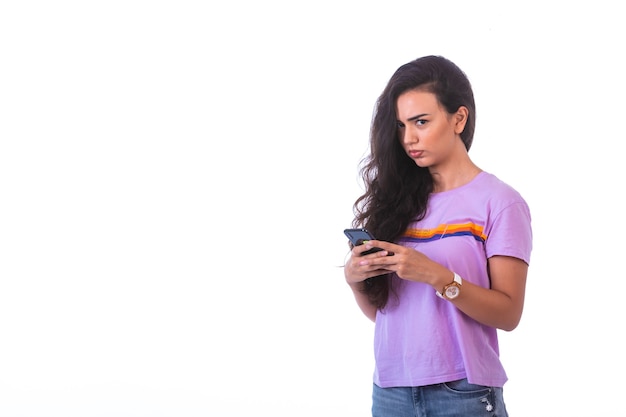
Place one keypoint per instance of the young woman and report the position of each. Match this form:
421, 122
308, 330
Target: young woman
456, 244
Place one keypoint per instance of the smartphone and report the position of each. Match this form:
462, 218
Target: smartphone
360, 236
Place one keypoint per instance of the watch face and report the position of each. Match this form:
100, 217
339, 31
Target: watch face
452, 291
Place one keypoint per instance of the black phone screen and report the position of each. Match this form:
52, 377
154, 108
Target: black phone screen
360, 236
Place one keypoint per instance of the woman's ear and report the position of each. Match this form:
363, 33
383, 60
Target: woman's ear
460, 119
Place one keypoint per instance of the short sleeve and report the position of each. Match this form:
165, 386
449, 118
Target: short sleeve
510, 233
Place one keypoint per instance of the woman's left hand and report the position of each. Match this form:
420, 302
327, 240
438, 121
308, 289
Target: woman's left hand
409, 264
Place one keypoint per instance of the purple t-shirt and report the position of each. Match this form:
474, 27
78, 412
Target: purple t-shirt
421, 339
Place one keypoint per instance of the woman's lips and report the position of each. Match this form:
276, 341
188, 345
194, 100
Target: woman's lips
415, 154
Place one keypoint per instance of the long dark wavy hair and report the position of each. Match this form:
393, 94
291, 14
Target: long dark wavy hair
397, 189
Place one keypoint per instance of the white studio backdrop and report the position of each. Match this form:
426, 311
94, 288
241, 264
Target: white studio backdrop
175, 178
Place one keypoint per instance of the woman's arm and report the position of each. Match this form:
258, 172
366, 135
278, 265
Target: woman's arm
502, 305
363, 301
499, 306
356, 272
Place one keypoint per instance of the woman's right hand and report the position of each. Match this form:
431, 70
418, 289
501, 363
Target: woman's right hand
357, 270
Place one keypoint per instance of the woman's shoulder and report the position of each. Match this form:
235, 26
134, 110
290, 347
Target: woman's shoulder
493, 187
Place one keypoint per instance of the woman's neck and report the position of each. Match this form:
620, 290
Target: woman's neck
454, 176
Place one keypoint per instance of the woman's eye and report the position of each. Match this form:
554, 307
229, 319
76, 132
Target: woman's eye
420, 122
399, 125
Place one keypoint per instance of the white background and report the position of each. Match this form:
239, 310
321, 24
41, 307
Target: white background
175, 178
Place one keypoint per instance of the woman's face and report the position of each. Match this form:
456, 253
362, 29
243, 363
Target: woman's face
427, 132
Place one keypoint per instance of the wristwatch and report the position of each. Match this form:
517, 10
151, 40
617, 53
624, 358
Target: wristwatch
452, 290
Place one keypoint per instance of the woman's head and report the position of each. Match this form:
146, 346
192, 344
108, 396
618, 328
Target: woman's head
433, 74
396, 188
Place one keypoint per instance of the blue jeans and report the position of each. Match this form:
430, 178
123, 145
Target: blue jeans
450, 399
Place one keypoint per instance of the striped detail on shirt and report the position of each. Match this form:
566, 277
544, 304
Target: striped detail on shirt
443, 231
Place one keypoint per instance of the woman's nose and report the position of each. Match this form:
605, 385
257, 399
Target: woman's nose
409, 137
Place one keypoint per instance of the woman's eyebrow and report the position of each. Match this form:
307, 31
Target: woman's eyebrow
419, 116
